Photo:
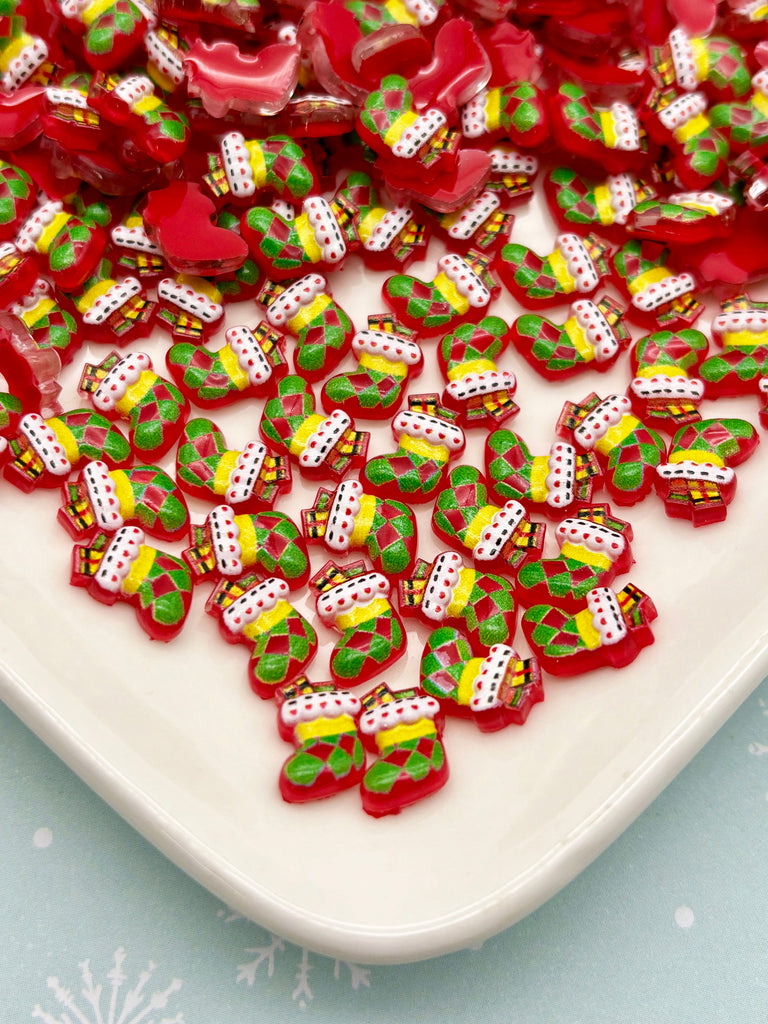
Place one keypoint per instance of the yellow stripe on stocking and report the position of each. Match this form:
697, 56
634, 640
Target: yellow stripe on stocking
66, 439
581, 554
363, 613
451, 293
465, 689
471, 366
700, 58
425, 450
124, 493
257, 162
381, 365
223, 472
136, 392
306, 429
692, 455
140, 569
398, 126
307, 238
539, 473
643, 281
604, 205
308, 313
47, 235
696, 126
617, 434
268, 620
363, 520
559, 268
478, 523
232, 368
586, 629
325, 727
461, 593
579, 339
403, 733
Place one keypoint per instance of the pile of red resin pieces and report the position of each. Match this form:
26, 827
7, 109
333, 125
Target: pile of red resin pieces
161, 160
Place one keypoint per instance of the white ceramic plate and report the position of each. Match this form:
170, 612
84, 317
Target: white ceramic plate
172, 737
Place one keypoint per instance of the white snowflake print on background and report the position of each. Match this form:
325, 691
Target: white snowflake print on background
117, 1007
302, 992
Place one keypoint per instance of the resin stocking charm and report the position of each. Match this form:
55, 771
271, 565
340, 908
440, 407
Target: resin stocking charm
242, 168
497, 539
126, 387
461, 291
355, 602
482, 603
680, 122
321, 722
591, 337
428, 439
123, 568
317, 238
324, 446
322, 329
259, 615
664, 392
628, 450
660, 298
348, 519
582, 203
609, 136
494, 691
610, 629
387, 355
42, 453
517, 112
741, 328
227, 545
479, 393
108, 499
576, 265
697, 481
248, 479
247, 365
548, 484
594, 549
404, 728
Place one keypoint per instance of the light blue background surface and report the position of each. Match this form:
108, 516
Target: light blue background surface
669, 924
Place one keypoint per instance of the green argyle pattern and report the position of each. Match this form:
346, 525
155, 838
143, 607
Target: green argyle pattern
391, 541
115, 29
165, 593
522, 111
445, 654
156, 498
417, 303
368, 648
552, 632
553, 579
414, 476
280, 654
200, 373
280, 546
156, 419
547, 346
732, 371
365, 391
405, 766
631, 465
327, 764
323, 342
